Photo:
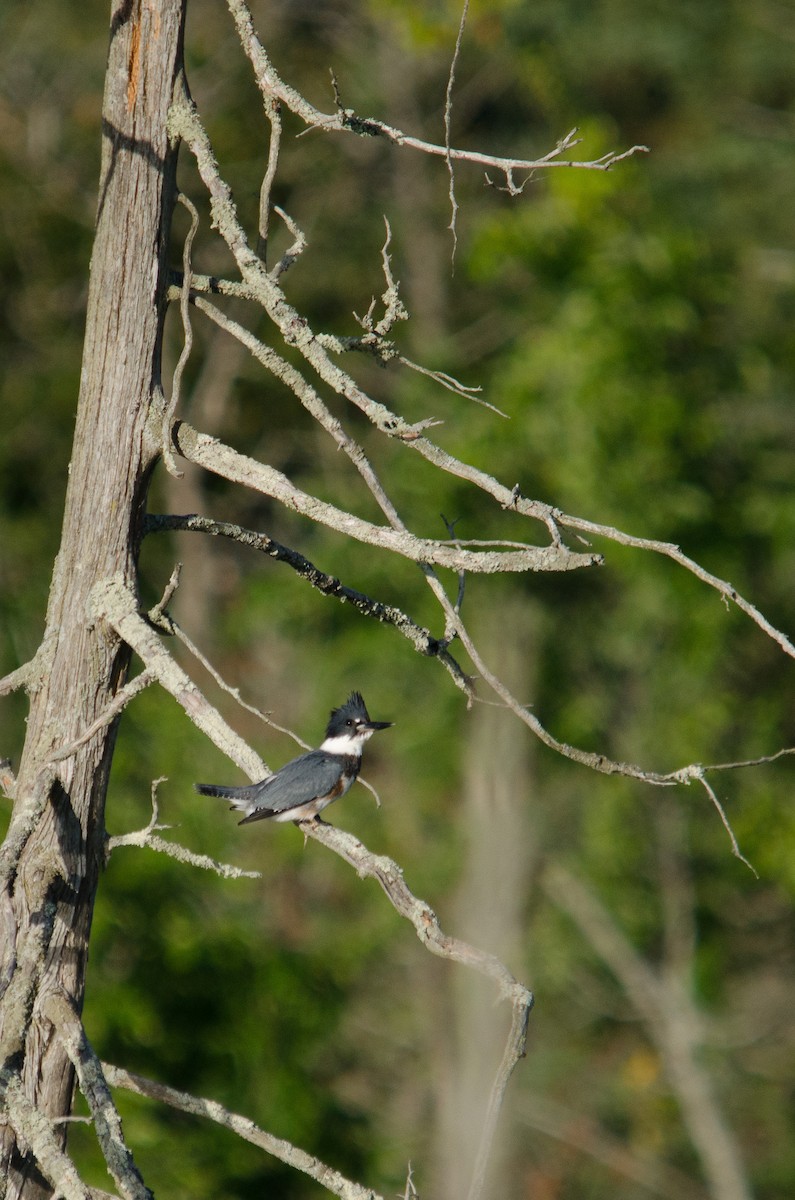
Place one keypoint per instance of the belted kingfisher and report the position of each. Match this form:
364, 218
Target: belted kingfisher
304, 787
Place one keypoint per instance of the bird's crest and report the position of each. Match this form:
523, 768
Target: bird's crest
354, 706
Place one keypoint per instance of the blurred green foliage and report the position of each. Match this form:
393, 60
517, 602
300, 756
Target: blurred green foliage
637, 329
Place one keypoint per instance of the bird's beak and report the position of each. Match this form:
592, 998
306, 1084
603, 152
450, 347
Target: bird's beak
374, 725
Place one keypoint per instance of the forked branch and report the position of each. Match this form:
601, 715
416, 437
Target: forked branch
345, 120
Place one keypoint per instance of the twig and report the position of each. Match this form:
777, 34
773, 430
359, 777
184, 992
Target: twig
699, 775
17, 679
410, 1192
462, 579
669, 550
448, 120
452, 385
330, 1179
345, 120
184, 312
156, 614
117, 705
274, 115
147, 837
295, 251
174, 850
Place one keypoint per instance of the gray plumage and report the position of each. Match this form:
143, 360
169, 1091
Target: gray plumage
305, 786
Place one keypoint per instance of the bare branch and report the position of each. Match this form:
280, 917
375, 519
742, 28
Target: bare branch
421, 639
669, 550
448, 121
295, 251
17, 679
410, 1192
107, 1122
725, 820
597, 762
452, 385
222, 460
157, 613
296, 331
147, 837
170, 626
330, 1179
273, 112
120, 701
184, 312
115, 603
184, 123
345, 120
151, 841
752, 762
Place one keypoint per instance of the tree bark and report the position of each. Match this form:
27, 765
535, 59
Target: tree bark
54, 851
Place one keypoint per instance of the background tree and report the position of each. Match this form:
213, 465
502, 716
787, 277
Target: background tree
629, 324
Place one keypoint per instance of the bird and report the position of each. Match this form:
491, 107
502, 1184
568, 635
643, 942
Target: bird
307, 784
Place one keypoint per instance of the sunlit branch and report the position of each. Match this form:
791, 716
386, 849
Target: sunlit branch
672, 551
147, 838
120, 701
448, 127
330, 1179
17, 679
222, 460
297, 332
274, 115
114, 602
345, 120
295, 329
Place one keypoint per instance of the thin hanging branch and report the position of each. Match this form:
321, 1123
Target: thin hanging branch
448, 129
187, 328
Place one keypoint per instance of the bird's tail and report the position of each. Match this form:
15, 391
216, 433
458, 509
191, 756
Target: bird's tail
242, 798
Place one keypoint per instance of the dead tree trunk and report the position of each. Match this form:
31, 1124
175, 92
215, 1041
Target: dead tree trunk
55, 848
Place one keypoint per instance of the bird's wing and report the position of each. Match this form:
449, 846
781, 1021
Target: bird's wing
299, 782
